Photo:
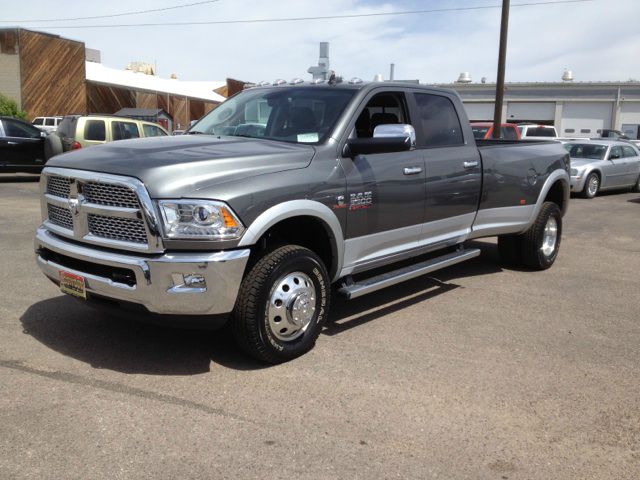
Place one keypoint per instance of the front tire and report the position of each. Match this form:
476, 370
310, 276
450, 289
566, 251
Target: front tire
282, 305
636, 187
591, 186
541, 243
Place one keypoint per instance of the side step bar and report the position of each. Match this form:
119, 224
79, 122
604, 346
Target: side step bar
384, 280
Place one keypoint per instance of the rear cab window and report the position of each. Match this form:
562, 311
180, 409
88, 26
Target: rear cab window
629, 151
540, 132
50, 122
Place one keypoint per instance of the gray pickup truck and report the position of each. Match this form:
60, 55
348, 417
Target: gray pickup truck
287, 193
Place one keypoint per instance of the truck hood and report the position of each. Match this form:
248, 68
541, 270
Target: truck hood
179, 166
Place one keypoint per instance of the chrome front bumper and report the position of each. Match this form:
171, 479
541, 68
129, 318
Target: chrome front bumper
159, 279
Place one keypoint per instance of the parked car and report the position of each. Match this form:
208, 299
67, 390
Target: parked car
535, 131
484, 131
252, 216
77, 131
47, 124
614, 134
21, 146
603, 165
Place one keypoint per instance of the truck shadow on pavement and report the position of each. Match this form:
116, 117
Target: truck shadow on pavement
9, 178
105, 341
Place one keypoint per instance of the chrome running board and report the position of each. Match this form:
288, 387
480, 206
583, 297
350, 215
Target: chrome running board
384, 280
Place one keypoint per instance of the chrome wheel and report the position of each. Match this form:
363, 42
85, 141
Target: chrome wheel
292, 305
549, 237
592, 185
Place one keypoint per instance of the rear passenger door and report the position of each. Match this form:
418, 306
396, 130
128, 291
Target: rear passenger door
124, 130
452, 163
615, 168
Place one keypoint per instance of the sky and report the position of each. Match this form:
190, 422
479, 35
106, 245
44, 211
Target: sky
597, 40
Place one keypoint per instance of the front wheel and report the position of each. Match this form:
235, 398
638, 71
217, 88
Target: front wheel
591, 186
282, 305
636, 187
541, 243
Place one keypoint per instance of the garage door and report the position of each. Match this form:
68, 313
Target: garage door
585, 118
538, 112
479, 111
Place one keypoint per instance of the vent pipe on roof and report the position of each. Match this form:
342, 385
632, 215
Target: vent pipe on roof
392, 71
465, 77
567, 76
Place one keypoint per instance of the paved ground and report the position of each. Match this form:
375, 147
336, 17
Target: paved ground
476, 372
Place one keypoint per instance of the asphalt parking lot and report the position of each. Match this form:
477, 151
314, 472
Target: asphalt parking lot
476, 372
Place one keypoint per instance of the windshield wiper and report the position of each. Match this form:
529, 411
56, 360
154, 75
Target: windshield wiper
194, 132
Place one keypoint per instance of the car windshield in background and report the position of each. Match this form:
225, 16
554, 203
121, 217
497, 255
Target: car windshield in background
479, 132
586, 150
296, 114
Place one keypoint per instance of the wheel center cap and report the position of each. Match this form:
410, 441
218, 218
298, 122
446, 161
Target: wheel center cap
301, 309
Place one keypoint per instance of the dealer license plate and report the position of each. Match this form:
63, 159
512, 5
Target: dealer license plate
72, 284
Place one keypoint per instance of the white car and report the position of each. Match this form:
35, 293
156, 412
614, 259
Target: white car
46, 124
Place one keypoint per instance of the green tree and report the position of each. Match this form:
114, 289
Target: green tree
10, 108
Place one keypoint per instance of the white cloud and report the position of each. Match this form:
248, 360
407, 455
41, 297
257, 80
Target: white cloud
593, 39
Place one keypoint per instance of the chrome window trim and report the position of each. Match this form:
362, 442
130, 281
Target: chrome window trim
81, 229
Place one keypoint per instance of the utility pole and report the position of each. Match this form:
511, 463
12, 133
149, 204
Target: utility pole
502, 56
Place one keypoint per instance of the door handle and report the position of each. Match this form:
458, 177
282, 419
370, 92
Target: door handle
470, 164
412, 170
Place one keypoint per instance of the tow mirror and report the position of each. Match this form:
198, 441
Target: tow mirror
386, 139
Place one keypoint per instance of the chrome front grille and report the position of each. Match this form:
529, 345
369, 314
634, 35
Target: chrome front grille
58, 186
116, 228
101, 209
111, 195
60, 216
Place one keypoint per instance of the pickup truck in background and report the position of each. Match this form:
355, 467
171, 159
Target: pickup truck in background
537, 132
284, 191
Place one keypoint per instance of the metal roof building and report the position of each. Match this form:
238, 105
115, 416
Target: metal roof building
575, 108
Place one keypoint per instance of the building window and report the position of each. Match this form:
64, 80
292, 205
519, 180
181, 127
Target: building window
585, 130
569, 130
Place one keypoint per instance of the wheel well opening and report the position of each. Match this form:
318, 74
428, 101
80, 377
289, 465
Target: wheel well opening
557, 195
308, 232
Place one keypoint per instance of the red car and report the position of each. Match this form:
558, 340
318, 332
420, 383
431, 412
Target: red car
484, 130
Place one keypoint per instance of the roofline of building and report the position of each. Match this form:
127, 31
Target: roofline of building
53, 35
456, 85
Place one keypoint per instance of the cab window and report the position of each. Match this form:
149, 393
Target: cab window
38, 121
94, 130
124, 130
383, 109
50, 122
19, 129
508, 133
629, 151
438, 121
152, 131
616, 152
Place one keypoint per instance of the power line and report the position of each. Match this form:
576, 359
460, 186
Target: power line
327, 17
123, 14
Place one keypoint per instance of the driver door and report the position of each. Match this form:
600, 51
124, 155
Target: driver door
22, 144
385, 191
615, 169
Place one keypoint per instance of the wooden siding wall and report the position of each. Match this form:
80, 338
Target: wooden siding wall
104, 99
52, 73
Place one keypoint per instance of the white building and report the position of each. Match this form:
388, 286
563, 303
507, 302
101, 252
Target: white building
575, 108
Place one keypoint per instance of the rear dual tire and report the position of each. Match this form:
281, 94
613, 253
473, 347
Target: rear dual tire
538, 247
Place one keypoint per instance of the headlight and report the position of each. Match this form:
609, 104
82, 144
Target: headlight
200, 219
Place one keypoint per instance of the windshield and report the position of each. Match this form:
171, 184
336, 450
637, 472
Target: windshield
479, 132
586, 150
297, 114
